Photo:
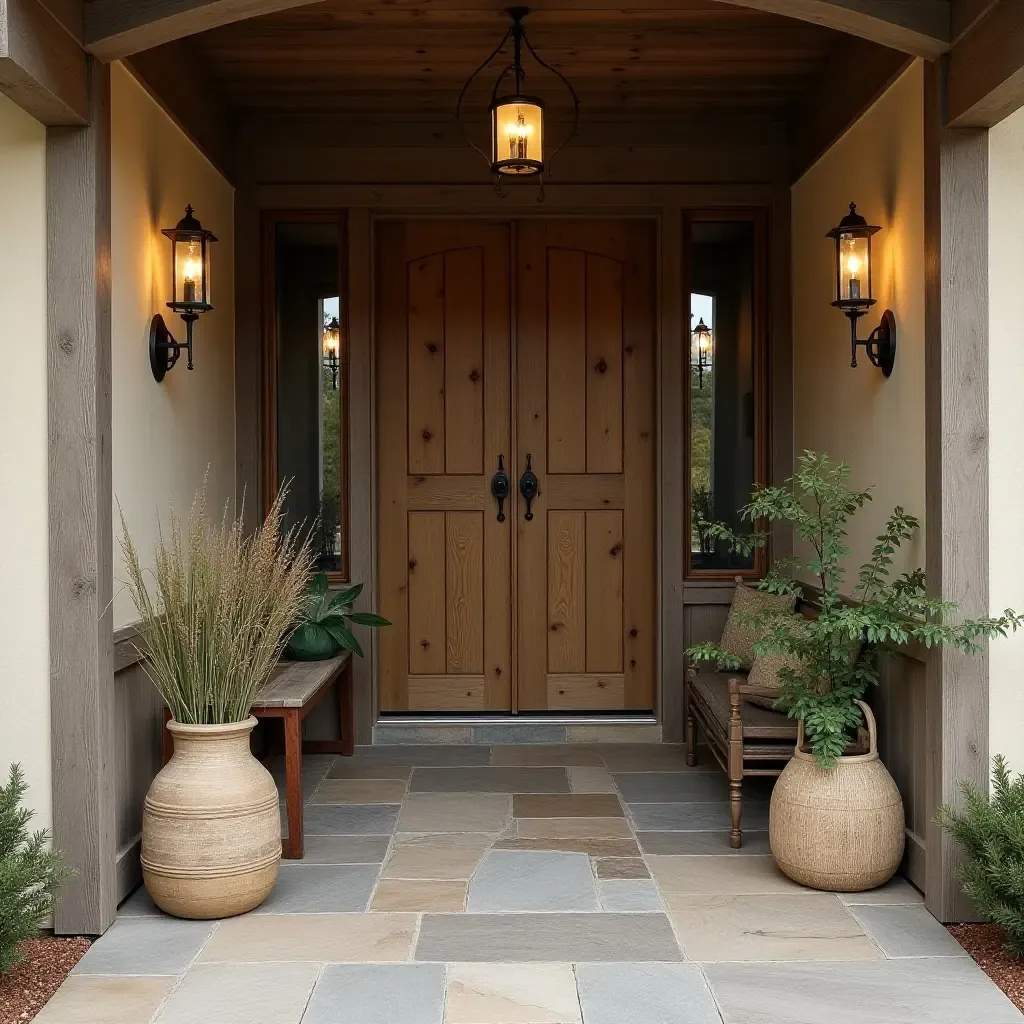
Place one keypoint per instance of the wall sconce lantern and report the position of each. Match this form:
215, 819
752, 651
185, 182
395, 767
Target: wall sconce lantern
700, 351
853, 289
190, 291
517, 120
332, 342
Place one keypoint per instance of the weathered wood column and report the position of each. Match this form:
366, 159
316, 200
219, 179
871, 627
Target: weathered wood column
80, 527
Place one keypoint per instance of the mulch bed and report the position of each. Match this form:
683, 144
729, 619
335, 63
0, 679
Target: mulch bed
25, 990
985, 944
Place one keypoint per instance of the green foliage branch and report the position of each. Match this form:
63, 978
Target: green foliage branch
836, 653
323, 624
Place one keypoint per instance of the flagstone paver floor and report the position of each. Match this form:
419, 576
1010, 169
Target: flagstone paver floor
537, 884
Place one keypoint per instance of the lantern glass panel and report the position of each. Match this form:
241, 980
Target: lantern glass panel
191, 270
853, 254
517, 136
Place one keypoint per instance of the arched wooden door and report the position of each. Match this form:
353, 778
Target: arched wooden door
553, 613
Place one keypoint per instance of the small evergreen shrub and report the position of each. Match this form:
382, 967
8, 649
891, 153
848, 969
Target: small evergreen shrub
990, 830
31, 874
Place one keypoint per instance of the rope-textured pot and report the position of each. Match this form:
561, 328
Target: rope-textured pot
838, 829
211, 825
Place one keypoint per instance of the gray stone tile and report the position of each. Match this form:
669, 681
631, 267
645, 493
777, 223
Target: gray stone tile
671, 787
906, 931
320, 889
489, 780
943, 990
650, 757
398, 733
398, 755
497, 938
517, 881
349, 820
378, 994
519, 733
629, 993
345, 849
696, 817
630, 895
898, 891
241, 994
139, 904
699, 843
146, 945
347, 768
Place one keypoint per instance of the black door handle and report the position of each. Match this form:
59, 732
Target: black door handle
528, 486
500, 487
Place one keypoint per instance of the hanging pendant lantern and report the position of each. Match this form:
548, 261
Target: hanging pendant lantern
517, 120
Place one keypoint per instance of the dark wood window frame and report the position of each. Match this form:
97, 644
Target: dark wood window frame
270, 219
760, 218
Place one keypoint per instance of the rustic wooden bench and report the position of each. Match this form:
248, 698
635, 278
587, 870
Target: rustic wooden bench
291, 693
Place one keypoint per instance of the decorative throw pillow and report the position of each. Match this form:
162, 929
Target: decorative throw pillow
765, 672
740, 635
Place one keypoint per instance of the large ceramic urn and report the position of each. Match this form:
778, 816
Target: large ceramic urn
211, 825
840, 828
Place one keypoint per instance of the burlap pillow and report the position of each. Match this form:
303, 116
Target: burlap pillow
739, 635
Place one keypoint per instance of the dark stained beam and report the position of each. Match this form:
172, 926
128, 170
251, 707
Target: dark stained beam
856, 75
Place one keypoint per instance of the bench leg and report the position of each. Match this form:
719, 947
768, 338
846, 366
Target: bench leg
293, 784
735, 764
691, 741
346, 700
736, 812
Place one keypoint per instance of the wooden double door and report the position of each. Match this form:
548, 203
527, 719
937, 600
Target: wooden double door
533, 342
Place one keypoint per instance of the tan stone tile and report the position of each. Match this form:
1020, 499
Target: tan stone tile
511, 994
105, 999
360, 791
570, 805
591, 780
419, 895
454, 812
335, 938
778, 927
613, 848
614, 734
721, 875
556, 755
621, 867
345, 768
453, 856
574, 828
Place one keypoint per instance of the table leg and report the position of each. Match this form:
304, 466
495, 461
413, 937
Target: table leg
346, 698
293, 784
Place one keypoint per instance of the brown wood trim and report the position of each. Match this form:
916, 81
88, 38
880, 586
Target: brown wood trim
269, 219
762, 424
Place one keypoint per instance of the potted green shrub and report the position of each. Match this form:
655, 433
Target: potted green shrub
322, 626
222, 608
836, 819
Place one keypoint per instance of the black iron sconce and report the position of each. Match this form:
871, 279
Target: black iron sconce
700, 354
332, 343
190, 291
853, 289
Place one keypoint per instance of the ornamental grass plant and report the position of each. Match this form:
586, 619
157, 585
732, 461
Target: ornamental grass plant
217, 608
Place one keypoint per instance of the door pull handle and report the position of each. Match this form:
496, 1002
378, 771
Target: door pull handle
500, 487
528, 486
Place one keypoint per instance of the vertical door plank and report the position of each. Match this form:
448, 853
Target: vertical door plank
604, 365
426, 365
463, 361
639, 465
464, 588
604, 591
567, 361
426, 593
392, 472
567, 627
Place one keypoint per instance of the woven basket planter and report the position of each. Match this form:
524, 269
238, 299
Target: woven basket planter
211, 825
838, 829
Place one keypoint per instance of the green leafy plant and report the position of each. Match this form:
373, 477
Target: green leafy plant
31, 874
323, 623
990, 830
837, 652
223, 609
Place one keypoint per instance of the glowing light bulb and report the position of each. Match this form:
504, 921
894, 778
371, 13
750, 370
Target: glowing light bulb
191, 272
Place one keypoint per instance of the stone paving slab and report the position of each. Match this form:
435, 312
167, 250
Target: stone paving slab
629, 993
489, 780
906, 931
103, 999
320, 889
702, 843
349, 820
520, 881
695, 816
146, 945
512, 994
378, 994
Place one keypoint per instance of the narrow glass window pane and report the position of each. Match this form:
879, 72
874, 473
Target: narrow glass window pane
311, 384
721, 349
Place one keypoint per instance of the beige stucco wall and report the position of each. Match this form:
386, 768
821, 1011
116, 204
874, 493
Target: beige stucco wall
166, 435
877, 425
1006, 430
24, 601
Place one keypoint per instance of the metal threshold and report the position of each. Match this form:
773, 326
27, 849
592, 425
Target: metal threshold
421, 720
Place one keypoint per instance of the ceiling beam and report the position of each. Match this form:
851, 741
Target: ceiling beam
918, 27
42, 66
985, 82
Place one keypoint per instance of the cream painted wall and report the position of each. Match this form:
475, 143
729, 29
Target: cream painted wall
1006, 430
877, 425
24, 592
165, 436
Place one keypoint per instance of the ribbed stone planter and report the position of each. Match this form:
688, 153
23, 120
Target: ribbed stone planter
838, 829
211, 825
